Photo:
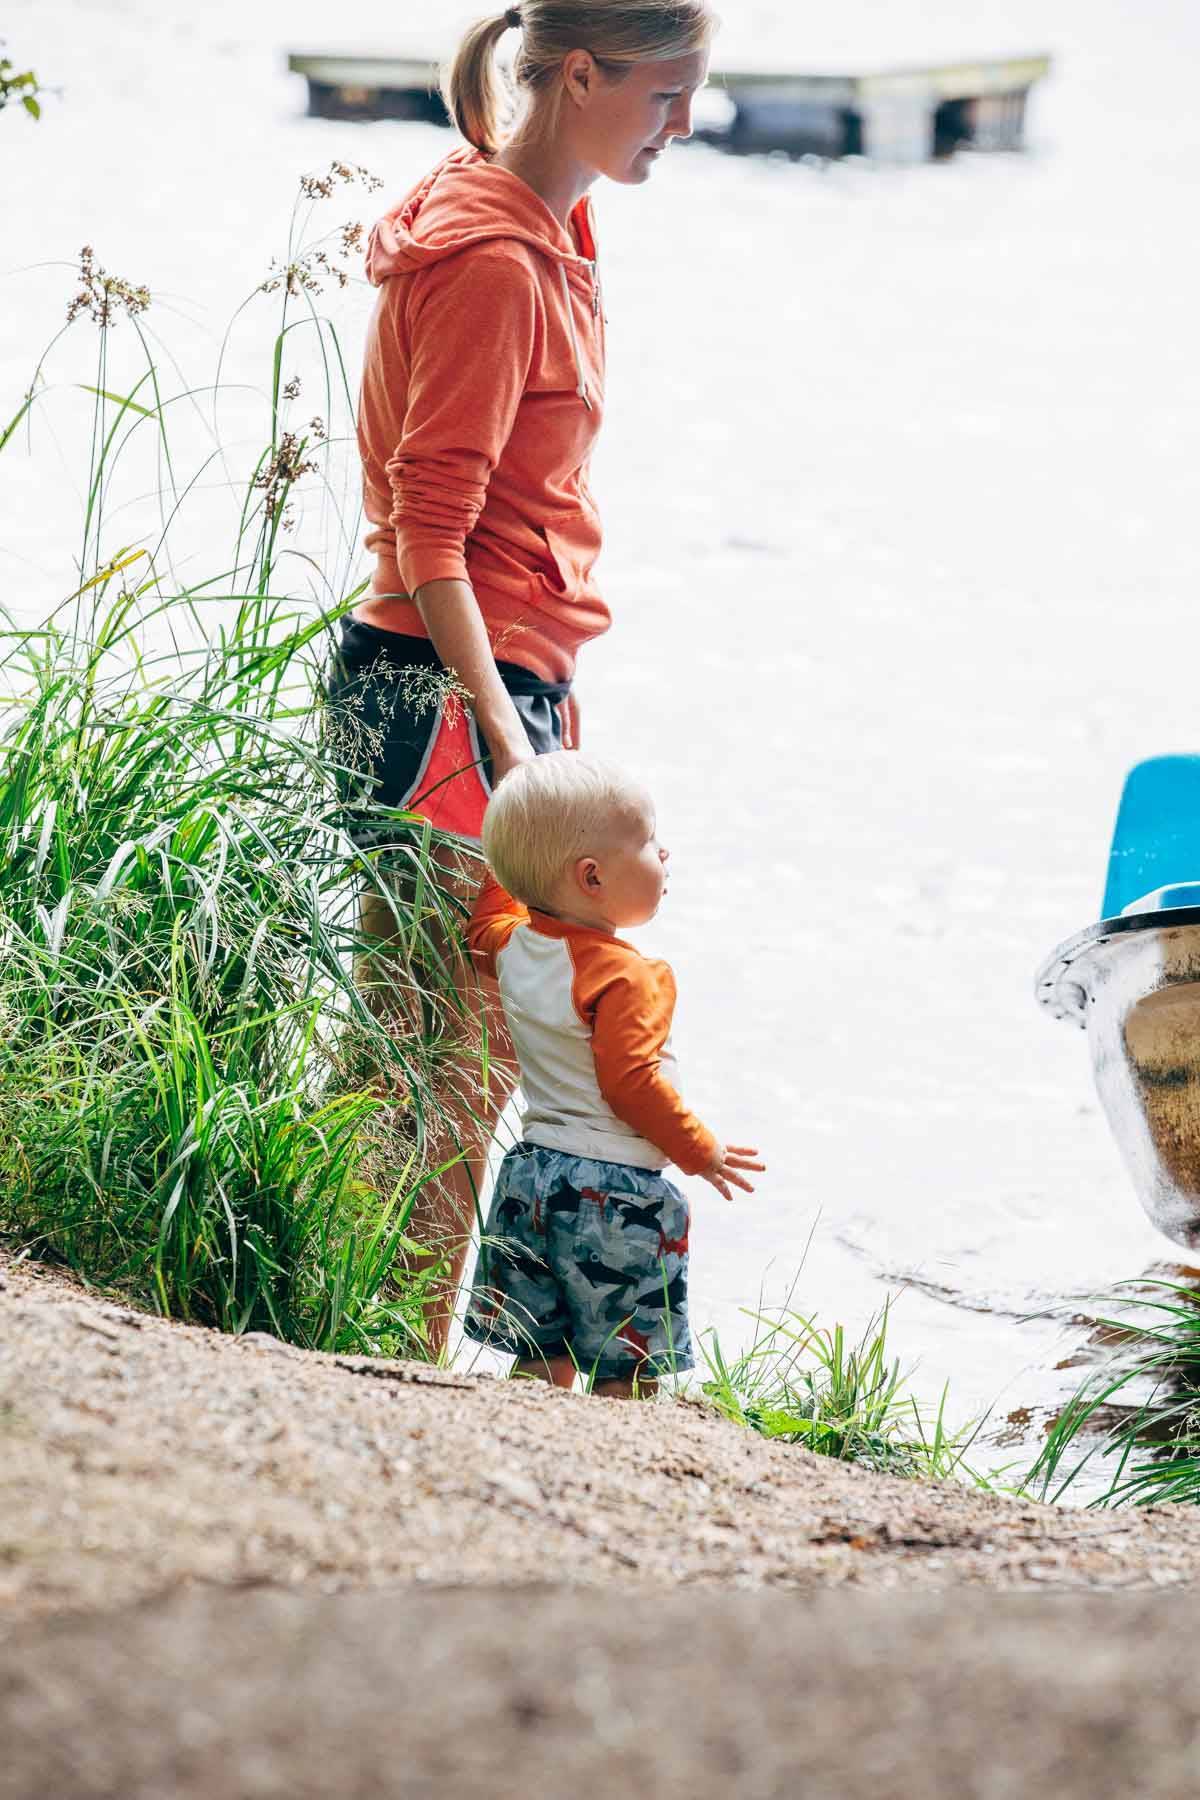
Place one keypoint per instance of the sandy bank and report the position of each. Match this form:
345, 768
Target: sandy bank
150, 1473
136, 1455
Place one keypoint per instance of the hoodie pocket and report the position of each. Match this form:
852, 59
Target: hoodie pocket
571, 552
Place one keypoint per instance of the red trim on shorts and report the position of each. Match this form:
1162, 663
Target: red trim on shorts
452, 794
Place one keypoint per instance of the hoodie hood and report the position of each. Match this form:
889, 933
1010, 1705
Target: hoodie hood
475, 439
466, 200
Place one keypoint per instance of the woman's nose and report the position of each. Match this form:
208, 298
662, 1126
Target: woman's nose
681, 119
664, 855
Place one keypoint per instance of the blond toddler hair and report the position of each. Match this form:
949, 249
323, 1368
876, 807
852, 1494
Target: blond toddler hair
552, 809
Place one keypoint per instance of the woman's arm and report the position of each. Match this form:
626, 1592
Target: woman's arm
457, 632
571, 736
474, 324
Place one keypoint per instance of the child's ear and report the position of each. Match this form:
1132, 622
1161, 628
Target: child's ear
587, 875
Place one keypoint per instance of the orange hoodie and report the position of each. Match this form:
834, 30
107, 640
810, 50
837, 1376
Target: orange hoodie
481, 399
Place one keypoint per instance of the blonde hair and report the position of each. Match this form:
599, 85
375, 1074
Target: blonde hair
617, 33
552, 809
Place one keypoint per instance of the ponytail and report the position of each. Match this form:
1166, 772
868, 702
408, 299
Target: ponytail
477, 98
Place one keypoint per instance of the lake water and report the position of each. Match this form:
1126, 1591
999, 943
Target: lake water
900, 484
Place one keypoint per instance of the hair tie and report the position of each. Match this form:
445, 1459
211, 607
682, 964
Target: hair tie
512, 18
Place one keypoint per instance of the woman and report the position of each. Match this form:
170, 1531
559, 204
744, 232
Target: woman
482, 396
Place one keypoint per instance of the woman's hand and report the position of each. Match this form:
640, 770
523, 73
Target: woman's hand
506, 756
456, 629
722, 1172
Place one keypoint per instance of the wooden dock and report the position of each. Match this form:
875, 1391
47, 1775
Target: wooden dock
890, 115
897, 115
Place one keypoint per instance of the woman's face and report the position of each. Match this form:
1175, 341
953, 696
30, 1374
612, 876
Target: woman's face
625, 122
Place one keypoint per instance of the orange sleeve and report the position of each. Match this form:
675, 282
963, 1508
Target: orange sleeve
494, 917
473, 325
629, 1003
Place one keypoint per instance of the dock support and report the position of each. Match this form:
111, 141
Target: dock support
898, 128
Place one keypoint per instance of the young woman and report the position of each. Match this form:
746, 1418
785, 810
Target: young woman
482, 395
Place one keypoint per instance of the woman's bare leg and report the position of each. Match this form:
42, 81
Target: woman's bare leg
445, 1208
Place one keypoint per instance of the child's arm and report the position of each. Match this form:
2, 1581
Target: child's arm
630, 1008
494, 917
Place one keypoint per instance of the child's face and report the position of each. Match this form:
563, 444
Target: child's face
624, 881
634, 873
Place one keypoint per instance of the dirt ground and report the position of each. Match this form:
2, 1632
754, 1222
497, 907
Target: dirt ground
435, 1546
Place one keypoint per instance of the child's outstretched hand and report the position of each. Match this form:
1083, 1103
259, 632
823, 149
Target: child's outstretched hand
731, 1158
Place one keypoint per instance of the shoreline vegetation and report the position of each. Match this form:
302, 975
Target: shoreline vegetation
200, 1109
1138, 1423
19, 87
201, 1115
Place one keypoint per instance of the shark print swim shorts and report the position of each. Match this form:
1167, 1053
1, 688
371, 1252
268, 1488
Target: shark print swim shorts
584, 1257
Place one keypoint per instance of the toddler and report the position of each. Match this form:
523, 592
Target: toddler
585, 1253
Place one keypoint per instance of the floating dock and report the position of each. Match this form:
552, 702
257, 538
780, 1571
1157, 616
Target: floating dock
898, 115
890, 115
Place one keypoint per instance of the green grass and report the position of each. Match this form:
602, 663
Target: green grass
196, 1106
1135, 1428
801, 1383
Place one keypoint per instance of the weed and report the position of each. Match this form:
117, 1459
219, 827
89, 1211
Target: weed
1144, 1417
804, 1384
198, 1106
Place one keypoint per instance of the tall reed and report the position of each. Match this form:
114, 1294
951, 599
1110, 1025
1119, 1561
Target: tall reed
196, 1105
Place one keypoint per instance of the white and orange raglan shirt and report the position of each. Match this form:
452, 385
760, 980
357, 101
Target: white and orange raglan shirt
590, 1019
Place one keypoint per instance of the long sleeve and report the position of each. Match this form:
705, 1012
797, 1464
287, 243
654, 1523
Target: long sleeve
474, 324
630, 1003
494, 917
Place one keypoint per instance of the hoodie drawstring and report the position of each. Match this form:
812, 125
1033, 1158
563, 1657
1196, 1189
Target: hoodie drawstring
581, 388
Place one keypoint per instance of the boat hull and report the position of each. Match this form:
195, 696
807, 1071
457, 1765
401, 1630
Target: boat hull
1133, 984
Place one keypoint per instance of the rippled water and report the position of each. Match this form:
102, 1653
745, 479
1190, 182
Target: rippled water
899, 477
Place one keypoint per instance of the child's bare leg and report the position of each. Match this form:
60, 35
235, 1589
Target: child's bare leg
560, 1371
627, 1387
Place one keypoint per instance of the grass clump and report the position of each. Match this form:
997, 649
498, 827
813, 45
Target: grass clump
804, 1384
1136, 1428
196, 1105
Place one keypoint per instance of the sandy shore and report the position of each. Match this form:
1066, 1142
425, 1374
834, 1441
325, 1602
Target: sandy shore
137, 1456
222, 1560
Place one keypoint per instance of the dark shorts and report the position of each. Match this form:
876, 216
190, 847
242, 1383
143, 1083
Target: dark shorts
587, 1258
398, 741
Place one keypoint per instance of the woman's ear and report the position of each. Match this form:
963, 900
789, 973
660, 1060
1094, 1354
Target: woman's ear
579, 75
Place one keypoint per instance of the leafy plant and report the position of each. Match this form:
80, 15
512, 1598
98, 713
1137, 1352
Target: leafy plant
197, 1104
19, 87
